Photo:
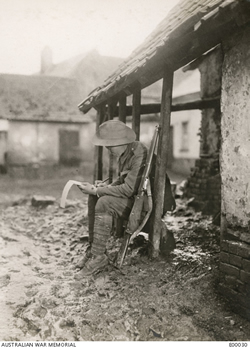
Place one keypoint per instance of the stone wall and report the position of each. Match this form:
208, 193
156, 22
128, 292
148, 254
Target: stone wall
235, 169
210, 70
204, 183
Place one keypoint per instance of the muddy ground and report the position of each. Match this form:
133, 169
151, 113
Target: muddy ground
168, 299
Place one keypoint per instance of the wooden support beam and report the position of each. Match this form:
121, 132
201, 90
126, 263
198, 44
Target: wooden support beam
136, 112
161, 161
196, 104
99, 150
122, 108
122, 113
111, 110
177, 105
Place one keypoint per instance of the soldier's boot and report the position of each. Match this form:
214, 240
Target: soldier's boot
98, 260
83, 260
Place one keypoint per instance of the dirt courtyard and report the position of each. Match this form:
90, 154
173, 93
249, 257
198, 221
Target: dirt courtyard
168, 299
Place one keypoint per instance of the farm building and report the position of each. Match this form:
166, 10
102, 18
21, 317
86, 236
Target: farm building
38, 131
40, 124
213, 36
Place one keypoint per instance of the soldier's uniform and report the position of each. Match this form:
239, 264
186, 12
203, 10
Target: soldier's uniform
116, 199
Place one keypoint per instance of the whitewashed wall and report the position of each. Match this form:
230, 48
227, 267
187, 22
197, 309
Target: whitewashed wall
31, 142
235, 152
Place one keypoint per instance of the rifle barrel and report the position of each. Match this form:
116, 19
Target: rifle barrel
149, 158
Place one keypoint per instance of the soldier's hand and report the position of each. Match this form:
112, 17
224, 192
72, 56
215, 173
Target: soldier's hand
87, 188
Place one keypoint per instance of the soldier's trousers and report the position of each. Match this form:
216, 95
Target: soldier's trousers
100, 215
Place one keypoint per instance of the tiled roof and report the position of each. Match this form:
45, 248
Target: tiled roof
181, 20
44, 98
179, 14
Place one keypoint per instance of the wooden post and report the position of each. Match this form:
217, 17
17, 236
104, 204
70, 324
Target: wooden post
122, 107
99, 150
122, 117
161, 161
111, 110
136, 112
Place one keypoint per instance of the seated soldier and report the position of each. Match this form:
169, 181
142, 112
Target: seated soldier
115, 199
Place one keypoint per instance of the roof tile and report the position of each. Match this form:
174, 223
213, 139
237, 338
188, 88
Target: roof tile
185, 15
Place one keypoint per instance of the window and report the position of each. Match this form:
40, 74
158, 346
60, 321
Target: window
69, 151
184, 136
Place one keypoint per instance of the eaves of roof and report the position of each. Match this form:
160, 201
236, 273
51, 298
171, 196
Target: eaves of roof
190, 29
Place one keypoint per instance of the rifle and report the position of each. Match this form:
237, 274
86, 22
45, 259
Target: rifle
135, 222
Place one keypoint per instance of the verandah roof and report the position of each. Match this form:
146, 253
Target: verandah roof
190, 29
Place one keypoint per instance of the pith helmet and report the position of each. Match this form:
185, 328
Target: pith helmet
113, 133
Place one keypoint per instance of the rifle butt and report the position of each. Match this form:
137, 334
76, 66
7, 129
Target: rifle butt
123, 250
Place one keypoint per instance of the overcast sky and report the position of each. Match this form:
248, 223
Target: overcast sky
72, 27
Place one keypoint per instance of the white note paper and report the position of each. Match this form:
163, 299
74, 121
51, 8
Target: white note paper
65, 192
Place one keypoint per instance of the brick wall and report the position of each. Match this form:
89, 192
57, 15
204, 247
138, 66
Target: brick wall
235, 275
204, 184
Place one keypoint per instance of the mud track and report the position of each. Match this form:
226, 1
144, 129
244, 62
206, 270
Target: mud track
173, 299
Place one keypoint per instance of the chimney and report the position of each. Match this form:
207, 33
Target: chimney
46, 60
